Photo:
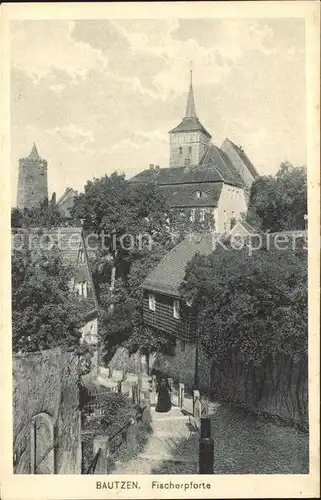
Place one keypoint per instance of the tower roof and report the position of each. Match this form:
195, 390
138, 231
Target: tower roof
34, 152
190, 122
190, 108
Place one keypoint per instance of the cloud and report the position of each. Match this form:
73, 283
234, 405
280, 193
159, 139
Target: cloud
230, 39
51, 46
73, 136
101, 95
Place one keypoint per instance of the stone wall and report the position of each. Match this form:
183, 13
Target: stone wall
121, 360
32, 182
45, 391
180, 366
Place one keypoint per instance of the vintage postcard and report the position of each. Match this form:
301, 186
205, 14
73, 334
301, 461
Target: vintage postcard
160, 225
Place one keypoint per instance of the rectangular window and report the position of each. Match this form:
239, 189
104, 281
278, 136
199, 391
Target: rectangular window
151, 302
192, 216
202, 214
189, 150
176, 309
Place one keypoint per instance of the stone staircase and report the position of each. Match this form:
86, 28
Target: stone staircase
169, 430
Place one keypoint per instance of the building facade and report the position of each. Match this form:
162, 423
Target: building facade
203, 181
32, 181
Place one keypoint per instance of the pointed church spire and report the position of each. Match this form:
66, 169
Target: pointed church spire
190, 108
34, 152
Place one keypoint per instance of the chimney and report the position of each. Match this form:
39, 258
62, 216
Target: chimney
156, 167
151, 166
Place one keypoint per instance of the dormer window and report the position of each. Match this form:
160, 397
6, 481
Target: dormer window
199, 194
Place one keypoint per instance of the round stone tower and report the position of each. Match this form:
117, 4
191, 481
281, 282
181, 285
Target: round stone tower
32, 180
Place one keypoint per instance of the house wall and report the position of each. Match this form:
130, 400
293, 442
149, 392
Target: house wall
181, 365
232, 203
198, 141
238, 163
163, 319
66, 204
46, 383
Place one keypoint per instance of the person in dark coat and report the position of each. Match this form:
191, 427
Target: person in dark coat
164, 397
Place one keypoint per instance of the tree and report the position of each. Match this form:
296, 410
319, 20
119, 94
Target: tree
124, 324
45, 313
44, 215
130, 221
255, 305
125, 216
279, 202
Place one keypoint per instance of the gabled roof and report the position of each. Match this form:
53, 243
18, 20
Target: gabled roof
168, 276
170, 272
69, 192
240, 151
215, 158
214, 167
190, 125
244, 227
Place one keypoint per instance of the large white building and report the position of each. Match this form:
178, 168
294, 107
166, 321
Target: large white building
203, 180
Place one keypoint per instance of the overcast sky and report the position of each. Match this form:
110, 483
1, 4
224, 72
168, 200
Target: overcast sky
100, 96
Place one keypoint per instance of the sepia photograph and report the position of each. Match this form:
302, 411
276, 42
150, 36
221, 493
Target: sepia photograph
160, 308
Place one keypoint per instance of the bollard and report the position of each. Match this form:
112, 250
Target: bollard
125, 387
204, 409
170, 383
147, 416
101, 442
132, 433
206, 448
153, 392
180, 395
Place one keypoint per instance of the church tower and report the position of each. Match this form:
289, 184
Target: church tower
189, 140
32, 180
